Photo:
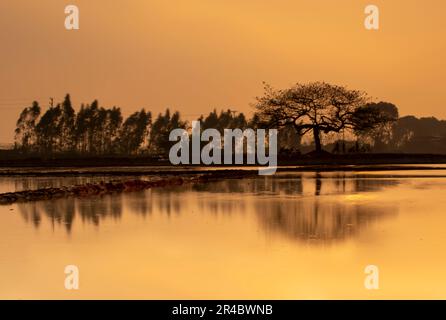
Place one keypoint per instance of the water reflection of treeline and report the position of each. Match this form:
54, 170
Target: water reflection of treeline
293, 184
34, 183
93, 210
303, 207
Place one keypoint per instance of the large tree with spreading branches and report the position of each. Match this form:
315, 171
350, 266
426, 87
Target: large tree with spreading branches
317, 107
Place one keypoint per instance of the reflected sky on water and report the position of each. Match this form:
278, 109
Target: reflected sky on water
292, 235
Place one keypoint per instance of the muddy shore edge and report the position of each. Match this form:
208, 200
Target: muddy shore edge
191, 171
104, 188
159, 178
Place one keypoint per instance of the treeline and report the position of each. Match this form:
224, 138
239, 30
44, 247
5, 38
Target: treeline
99, 131
94, 130
410, 134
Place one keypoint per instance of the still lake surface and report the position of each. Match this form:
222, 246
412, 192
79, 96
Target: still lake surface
288, 236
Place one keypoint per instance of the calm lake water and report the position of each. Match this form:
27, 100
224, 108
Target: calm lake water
289, 236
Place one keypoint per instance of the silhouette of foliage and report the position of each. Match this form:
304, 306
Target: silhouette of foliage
133, 132
318, 108
159, 144
92, 131
25, 132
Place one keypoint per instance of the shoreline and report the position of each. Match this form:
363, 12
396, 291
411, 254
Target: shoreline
160, 179
200, 170
111, 187
146, 177
64, 161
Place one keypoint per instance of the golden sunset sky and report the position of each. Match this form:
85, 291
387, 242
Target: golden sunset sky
196, 55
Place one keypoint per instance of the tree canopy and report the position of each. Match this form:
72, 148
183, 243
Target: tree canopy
92, 131
317, 107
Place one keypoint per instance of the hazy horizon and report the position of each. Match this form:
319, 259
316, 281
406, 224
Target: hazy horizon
197, 56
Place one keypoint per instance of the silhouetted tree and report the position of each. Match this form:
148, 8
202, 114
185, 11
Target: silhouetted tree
112, 125
66, 127
134, 132
88, 127
225, 120
419, 135
318, 107
48, 130
161, 128
210, 122
374, 122
25, 132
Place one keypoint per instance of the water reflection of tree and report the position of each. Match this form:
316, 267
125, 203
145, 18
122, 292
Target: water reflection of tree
299, 206
33, 183
222, 205
138, 202
280, 184
169, 201
95, 209
31, 213
63, 211
293, 184
316, 219
322, 218
312, 214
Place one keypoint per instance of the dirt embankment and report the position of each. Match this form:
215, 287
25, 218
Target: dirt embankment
102, 188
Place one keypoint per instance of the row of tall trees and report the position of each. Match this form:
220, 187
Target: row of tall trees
97, 131
93, 130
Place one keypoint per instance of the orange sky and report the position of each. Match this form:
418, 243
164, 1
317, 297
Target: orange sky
194, 55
